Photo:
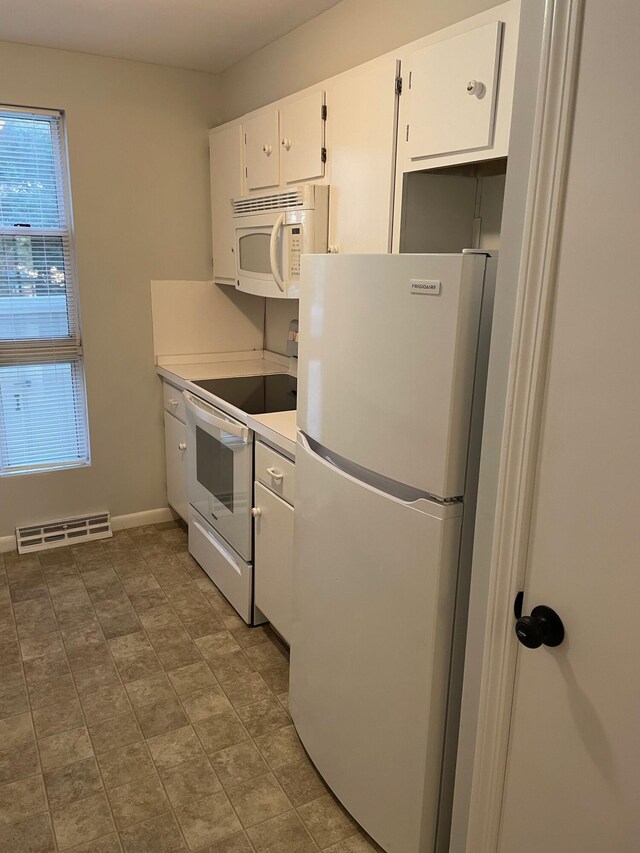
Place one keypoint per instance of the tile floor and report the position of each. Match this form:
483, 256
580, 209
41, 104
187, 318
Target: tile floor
138, 713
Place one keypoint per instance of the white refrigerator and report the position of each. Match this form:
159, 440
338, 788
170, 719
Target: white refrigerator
389, 367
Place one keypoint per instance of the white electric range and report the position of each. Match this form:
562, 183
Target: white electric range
220, 449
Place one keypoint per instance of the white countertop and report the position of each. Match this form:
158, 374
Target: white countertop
278, 428
180, 374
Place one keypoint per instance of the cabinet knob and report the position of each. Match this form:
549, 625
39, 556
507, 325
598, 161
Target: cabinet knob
173, 403
333, 249
268, 150
475, 87
286, 143
256, 511
182, 446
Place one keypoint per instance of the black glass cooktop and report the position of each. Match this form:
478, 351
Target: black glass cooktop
255, 395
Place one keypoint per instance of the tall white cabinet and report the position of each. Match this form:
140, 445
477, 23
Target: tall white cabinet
225, 157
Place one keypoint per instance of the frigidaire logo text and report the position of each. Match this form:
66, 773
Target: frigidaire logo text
425, 286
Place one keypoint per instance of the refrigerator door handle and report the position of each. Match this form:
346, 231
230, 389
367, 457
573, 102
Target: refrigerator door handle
395, 491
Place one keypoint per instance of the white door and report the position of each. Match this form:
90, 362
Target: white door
573, 763
302, 139
361, 133
175, 448
454, 89
225, 156
262, 151
273, 559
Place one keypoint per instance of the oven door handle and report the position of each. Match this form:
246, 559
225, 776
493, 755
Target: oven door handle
199, 410
273, 256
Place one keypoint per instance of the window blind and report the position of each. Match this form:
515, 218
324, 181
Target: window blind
43, 421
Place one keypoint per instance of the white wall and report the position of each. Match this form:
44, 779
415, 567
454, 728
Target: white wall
344, 36
138, 152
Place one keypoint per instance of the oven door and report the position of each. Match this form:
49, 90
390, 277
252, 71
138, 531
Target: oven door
219, 471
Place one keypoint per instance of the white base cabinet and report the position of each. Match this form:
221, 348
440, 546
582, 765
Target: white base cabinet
175, 447
273, 542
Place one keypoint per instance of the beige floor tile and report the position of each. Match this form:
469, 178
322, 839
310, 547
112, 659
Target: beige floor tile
107, 844
13, 691
208, 820
159, 835
21, 799
238, 763
266, 655
258, 799
115, 732
162, 616
161, 717
89, 655
188, 679
138, 801
220, 731
217, 644
283, 699
31, 835
35, 617
301, 782
358, 843
19, 762
190, 781
238, 843
46, 666
96, 678
75, 636
284, 834
64, 748
15, 732
202, 621
57, 718
277, 677
229, 666
124, 765
206, 703
179, 654
145, 593
142, 665
52, 691
104, 703
129, 644
246, 689
247, 636
9, 652
327, 821
175, 747
262, 717
148, 691
119, 624
82, 821
42, 644
281, 747
72, 782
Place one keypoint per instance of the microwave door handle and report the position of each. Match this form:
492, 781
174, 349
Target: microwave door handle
203, 414
273, 256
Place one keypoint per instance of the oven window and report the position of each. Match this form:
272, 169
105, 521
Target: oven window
214, 463
254, 253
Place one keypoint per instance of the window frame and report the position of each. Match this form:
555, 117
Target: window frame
53, 350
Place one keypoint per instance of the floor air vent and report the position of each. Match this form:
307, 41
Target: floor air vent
69, 531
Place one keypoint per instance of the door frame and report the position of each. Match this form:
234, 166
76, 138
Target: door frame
524, 406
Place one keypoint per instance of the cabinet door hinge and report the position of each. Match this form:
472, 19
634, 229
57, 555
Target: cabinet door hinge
324, 112
398, 85
323, 155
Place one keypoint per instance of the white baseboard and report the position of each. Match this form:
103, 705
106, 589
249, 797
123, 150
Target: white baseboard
118, 522
138, 519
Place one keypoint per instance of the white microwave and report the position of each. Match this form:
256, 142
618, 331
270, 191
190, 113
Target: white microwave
272, 230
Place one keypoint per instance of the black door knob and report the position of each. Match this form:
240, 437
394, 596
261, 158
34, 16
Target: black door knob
543, 627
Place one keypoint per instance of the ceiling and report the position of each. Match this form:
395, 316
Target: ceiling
205, 35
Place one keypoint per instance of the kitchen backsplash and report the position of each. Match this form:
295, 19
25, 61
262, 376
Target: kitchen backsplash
279, 313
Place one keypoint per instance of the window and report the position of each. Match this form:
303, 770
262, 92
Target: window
43, 418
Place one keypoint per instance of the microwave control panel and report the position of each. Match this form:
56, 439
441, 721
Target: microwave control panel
295, 245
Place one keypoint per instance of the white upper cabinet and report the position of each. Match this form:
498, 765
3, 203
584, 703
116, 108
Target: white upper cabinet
262, 150
361, 134
453, 93
302, 139
225, 154
457, 93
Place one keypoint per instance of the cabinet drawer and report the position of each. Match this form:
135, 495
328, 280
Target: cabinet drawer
275, 471
173, 401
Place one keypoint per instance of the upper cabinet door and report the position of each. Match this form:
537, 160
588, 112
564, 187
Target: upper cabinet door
453, 93
225, 153
262, 151
302, 139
